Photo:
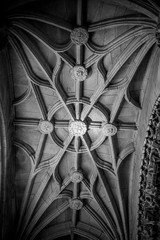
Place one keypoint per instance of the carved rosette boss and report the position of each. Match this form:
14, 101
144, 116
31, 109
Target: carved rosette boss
79, 36
77, 128
109, 129
76, 204
79, 73
45, 127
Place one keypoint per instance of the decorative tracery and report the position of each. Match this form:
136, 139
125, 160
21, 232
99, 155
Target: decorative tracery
149, 204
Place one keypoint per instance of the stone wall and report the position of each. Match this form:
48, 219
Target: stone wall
6, 160
152, 78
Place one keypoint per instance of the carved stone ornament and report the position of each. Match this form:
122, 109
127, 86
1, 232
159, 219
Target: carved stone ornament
158, 35
77, 128
109, 129
76, 204
79, 73
45, 127
149, 199
76, 177
79, 36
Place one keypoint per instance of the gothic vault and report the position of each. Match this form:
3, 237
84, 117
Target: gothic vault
79, 120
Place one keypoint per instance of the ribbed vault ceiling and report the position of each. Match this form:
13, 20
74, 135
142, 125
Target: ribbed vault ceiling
79, 78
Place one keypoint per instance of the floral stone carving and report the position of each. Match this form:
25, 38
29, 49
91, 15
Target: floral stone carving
109, 129
157, 34
45, 127
149, 199
76, 176
79, 36
79, 73
76, 204
77, 128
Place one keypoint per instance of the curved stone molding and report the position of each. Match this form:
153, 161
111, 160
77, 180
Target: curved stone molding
27, 149
76, 204
79, 36
109, 129
77, 128
23, 97
149, 200
45, 127
79, 73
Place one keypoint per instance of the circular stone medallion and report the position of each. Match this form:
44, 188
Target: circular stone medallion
77, 128
76, 204
76, 177
79, 73
79, 36
45, 127
109, 129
